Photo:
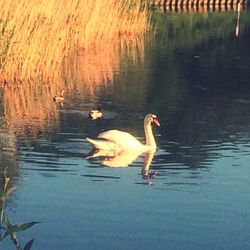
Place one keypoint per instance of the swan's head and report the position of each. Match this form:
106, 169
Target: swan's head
150, 118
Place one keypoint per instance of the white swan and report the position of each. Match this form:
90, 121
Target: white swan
118, 140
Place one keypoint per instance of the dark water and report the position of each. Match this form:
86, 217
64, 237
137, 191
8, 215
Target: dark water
196, 77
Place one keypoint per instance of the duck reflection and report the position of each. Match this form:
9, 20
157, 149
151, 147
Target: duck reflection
124, 158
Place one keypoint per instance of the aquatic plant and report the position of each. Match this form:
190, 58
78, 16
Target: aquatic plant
6, 227
5, 37
45, 32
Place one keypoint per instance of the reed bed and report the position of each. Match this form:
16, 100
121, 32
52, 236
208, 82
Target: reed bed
39, 34
29, 109
100, 66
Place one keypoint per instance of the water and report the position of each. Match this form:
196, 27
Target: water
195, 77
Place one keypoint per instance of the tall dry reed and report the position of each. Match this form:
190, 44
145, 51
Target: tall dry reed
44, 32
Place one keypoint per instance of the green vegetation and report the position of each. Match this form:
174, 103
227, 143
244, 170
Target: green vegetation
173, 29
6, 227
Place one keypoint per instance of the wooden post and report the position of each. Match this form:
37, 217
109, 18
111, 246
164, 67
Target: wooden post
237, 30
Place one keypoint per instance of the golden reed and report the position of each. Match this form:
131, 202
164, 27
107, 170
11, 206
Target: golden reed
44, 32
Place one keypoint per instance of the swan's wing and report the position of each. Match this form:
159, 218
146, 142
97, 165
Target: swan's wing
123, 139
103, 144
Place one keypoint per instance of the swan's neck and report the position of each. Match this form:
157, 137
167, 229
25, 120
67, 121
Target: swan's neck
150, 140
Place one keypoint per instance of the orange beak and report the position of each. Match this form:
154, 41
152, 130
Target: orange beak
156, 122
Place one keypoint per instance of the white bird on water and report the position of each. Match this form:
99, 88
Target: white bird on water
118, 140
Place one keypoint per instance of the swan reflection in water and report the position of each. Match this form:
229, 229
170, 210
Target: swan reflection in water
120, 149
115, 159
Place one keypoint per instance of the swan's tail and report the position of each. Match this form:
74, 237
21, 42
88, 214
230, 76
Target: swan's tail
100, 144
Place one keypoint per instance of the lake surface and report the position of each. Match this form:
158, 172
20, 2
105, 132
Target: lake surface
195, 77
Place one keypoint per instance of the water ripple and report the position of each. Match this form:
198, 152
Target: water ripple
100, 176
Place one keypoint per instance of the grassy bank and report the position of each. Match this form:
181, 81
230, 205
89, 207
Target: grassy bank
37, 35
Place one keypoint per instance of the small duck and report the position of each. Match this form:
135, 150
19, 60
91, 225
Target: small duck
59, 98
95, 113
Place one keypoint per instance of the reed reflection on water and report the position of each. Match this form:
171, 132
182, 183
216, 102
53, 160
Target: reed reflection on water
195, 77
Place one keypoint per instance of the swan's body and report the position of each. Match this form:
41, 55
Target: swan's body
59, 98
95, 113
118, 140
